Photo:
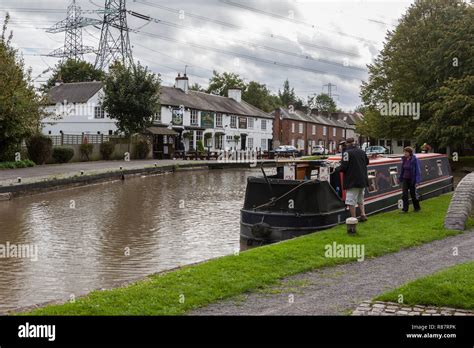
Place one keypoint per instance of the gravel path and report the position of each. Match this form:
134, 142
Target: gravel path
338, 290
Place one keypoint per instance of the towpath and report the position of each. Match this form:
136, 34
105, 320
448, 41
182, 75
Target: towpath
338, 290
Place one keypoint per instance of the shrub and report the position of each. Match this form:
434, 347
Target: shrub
40, 148
142, 149
63, 154
18, 164
86, 151
200, 146
107, 149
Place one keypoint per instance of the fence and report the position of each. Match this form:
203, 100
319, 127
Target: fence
78, 139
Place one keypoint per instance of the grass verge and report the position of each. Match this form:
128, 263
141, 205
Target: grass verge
451, 287
176, 292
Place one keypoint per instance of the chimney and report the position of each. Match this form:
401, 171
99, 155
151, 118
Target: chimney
182, 83
235, 93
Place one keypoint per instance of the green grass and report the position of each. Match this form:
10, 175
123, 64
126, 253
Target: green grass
191, 287
452, 287
313, 158
464, 161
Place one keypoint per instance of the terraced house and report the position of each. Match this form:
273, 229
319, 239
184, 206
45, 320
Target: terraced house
304, 131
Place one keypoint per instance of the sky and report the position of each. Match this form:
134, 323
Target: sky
312, 43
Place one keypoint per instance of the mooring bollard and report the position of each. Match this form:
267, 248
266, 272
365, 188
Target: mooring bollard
82, 172
19, 180
351, 224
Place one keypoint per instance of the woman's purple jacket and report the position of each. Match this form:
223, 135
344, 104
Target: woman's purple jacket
415, 169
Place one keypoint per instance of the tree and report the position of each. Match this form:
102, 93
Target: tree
429, 46
132, 97
259, 96
197, 87
20, 106
73, 70
322, 102
288, 97
220, 83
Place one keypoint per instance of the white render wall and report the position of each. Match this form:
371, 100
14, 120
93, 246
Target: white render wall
78, 119
256, 133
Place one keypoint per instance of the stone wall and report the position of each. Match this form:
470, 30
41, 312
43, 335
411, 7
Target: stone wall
461, 204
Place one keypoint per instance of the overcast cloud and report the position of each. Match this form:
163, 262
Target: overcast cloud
330, 41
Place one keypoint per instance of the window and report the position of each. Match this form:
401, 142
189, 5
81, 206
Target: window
292, 142
325, 130
218, 140
250, 123
292, 127
218, 120
334, 132
382, 142
343, 133
399, 143
157, 117
264, 144
440, 168
264, 125
233, 121
98, 112
194, 117
314, 130
372, 182
198, 136
229, 138
427, 169
407, 143
394, 176
300, 128
243, 122
250, 143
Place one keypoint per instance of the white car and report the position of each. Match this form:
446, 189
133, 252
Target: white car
319, 150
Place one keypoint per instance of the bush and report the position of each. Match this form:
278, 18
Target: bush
142, 149
200, 146
40, 148
63, 154
86, 151
107, 149
18, 164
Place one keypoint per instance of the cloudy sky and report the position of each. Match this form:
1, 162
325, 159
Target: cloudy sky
313, 43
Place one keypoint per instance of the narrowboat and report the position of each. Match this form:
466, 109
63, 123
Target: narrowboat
304, 196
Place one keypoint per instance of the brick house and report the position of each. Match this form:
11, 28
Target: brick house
305, 131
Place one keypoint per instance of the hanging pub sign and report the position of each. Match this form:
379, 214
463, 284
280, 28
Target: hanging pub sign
207, 119
177, 116
243, 122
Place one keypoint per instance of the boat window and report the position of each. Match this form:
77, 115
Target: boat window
440, 168
394, 176
372, 182
427, 169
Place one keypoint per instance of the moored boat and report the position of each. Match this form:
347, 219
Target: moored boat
305, 196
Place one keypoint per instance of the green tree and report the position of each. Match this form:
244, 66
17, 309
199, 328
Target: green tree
132, 97
220, 83
197, 87
322, 102
432, 43
73, 70
20, 106
288, 97
260, 96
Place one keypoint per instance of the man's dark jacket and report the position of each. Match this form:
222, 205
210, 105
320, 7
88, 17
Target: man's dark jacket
354, 168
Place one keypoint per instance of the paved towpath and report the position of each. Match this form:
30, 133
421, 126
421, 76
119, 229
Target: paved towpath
340, 289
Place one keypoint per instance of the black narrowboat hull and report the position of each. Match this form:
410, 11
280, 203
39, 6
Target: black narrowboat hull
275, 223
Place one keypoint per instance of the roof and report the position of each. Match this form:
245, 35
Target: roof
161, 131
208, 102
298, 115
78, 92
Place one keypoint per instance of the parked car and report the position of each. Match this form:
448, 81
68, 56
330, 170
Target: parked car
319, 150
287, 150
379, 150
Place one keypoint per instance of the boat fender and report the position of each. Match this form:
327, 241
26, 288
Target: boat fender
261, 230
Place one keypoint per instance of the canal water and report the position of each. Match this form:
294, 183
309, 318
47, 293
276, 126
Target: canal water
103, 235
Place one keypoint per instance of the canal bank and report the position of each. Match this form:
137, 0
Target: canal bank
26, 181
193, 287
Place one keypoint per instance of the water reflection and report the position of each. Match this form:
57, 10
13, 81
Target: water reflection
103, 235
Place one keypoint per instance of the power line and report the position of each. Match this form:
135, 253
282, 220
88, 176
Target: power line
239, 27
268, 48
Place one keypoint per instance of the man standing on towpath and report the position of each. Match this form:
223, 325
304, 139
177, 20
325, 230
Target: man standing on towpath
354, 166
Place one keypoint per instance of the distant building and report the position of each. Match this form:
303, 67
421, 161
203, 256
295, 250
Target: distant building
304, 131
186, 116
